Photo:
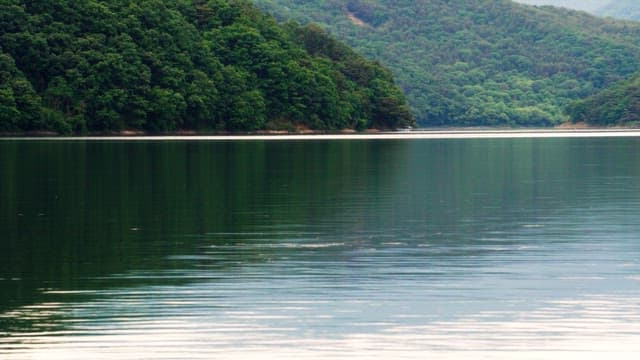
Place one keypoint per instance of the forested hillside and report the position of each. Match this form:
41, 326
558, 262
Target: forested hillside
481, 62
160, 65
617, 105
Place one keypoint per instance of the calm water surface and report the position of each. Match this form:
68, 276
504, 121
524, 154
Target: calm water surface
446, 249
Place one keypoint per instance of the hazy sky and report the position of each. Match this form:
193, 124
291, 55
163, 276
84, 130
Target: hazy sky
586, 5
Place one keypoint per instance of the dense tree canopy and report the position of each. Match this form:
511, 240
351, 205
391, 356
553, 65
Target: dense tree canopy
617, 105
160, 65
481, 62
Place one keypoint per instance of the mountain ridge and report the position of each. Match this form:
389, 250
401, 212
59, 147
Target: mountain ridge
483, 62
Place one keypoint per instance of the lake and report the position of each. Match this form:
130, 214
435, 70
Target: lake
524, 248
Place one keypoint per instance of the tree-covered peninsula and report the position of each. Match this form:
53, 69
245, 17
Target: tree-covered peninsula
481, 62
75, 66
618, 105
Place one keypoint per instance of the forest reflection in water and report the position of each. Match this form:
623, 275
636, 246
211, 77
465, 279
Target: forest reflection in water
508, 248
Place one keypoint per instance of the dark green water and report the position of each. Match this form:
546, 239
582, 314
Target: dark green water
321, 249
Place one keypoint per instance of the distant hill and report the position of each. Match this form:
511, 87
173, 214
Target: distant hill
617, 105
622, 9
584, 5
160, 65
480, 62
619, 9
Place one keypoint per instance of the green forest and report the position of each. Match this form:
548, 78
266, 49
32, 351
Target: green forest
481, 62
78, 66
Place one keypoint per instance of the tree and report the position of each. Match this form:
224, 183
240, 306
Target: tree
9, 113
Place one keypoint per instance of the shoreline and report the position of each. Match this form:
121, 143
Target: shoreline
451, 133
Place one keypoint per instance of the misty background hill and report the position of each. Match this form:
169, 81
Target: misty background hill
622, 9
584, 5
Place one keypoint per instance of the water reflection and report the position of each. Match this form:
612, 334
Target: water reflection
75, 215
474, 249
